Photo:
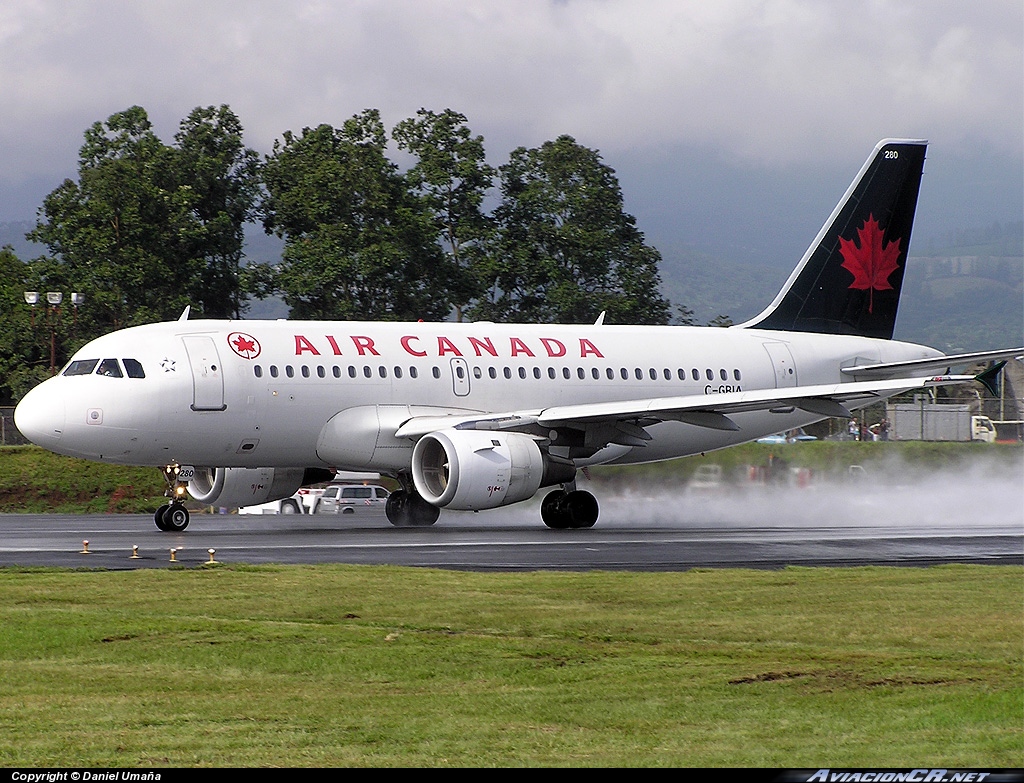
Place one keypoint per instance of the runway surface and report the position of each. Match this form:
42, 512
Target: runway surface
635, 532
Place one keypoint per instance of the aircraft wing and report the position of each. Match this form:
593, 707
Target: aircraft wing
940, 363
703, 410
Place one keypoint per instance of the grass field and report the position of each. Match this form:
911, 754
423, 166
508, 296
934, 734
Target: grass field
347, 665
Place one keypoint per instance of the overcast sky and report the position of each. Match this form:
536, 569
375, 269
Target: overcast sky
715, 114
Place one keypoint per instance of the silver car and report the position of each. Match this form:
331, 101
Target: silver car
352, 499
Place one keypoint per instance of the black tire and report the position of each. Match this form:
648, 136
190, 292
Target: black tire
290, 507
407, 509
176, 518
158, 517
552, 510
582, 508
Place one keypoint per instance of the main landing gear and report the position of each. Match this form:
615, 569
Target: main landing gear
405, 508
173, 518
574, 508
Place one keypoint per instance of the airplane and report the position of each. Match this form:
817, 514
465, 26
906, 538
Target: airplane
473, 416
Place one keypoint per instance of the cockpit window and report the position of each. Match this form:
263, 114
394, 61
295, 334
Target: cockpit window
134, 368
110, 368
81, 367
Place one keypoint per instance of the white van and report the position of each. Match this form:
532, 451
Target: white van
363, 499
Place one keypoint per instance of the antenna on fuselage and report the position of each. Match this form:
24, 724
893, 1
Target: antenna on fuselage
184, 313
600, 319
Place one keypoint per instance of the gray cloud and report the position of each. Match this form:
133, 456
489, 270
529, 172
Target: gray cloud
774, 83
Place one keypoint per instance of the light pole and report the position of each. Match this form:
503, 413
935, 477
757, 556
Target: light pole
53, 301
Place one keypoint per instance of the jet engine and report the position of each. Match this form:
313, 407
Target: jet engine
234, 487
468, 470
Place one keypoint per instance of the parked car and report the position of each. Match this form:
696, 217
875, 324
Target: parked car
368, 499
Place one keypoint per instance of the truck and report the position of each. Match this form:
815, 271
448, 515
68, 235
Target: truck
926, 420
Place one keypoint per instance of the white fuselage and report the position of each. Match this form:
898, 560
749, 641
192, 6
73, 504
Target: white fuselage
259, 393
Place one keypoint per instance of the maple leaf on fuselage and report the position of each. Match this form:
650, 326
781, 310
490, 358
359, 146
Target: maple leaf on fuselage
244, 345
872, 263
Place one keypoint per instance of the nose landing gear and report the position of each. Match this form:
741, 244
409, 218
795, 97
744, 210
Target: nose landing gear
173, 518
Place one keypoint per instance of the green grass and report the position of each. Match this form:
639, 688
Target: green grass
349, 665
35, 480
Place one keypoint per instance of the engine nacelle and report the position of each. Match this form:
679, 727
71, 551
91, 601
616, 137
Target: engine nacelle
468, 470
234, 487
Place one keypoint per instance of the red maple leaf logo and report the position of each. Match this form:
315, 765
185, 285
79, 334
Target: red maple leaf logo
246, 346
872, 263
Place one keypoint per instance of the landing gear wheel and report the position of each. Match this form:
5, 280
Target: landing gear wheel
551, 510
158, 517
175, 518
576, 509
289, 507
407, 509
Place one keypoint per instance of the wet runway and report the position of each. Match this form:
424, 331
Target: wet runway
635, 532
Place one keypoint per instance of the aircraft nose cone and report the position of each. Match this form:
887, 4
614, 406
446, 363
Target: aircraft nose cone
40, 416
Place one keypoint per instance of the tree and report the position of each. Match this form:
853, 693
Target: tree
563, 249
223, 176
149, 228
452, 176
24, 357
358, 244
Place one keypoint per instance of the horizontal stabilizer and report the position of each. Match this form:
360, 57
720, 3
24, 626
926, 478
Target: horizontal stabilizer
944, 363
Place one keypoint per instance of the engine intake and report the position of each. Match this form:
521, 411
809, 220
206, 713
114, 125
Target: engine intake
467, 470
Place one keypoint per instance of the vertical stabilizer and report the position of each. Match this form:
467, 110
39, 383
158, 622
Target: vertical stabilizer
849, 280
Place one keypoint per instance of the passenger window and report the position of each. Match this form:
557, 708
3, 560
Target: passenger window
273, 371
696, 374
435, 371
320, 371
736, 374
413, 372
81, 367
110, 368
257, 371
133, 368
305, 371
289, 371
398, 372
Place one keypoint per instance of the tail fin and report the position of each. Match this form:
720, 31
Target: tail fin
849, 280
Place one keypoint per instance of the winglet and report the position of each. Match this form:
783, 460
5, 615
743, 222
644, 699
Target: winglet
988, 378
